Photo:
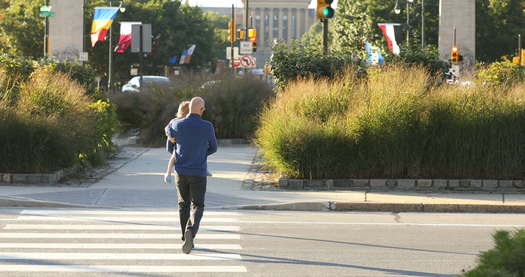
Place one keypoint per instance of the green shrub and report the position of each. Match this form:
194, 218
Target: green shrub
31, 146
291, 64
394, 125
505, 259
500, 73
427, 58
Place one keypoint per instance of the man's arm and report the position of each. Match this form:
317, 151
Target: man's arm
213, 141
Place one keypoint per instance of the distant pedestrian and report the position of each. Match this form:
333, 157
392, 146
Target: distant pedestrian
183, 111
195, 141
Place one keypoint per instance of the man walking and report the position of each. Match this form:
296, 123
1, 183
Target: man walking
195, 140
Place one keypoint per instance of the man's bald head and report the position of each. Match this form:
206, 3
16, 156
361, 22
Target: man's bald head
197, 105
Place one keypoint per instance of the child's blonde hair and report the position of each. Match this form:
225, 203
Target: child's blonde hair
184, 109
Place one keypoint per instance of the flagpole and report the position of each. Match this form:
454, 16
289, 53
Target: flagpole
110, 57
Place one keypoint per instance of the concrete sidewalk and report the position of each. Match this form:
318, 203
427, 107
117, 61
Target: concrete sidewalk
137, 182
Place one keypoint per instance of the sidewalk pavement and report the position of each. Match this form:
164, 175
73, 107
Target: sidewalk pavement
136, 182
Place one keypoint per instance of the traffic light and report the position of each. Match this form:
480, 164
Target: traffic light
454, 55
241, 33
324, 9
232, 31
252, 35
516, 60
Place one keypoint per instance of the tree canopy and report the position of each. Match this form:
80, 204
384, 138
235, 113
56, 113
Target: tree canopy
175, 27
498, 23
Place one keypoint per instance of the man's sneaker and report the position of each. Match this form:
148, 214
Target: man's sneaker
168, 179
188, 242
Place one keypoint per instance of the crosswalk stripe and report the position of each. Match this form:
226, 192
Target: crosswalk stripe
116, 212
114, 246
121, 268
109, 218
113, 236
111, 227
114, 256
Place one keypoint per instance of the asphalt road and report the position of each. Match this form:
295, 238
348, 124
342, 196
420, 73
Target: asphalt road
37, 242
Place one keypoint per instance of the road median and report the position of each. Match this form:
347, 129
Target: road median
338, 206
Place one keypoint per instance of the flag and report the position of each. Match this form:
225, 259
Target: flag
393, 35
186, 55
374, 55
173, 60
125, 36
102, 20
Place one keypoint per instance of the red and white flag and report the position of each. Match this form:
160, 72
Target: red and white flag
125, 36
185, 58
393, 35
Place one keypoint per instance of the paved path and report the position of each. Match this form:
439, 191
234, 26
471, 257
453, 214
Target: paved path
138, 184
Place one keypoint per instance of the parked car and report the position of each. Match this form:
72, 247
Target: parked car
149, 82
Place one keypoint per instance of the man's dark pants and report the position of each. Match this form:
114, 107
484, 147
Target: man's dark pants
190, 190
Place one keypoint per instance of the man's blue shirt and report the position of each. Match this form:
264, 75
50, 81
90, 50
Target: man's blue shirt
195, 142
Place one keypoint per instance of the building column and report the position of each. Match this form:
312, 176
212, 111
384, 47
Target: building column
270, 32
306, 21
260, 29
280, 19
289, 39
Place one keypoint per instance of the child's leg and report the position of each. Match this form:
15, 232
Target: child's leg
171, 164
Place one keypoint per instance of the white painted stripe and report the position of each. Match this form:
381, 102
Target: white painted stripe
120, 268
111, 227
382, 224
114, 256
114, 246
117, 219
112, 236
119, 213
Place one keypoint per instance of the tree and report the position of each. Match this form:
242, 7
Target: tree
21, 28
175, 26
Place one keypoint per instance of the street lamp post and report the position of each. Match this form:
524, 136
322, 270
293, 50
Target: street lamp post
110, 48
397, 10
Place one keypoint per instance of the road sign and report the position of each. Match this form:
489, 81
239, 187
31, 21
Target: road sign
248, 62
45, 11
229, 53
146, 38
246, 47
83, 57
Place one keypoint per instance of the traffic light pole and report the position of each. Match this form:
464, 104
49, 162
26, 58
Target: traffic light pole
232, 40
46, 32
519, 49
325, 36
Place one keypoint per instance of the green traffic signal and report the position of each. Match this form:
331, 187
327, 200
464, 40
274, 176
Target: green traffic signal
328, 12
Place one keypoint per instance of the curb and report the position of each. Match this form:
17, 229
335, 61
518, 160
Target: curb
28, 202
388, 207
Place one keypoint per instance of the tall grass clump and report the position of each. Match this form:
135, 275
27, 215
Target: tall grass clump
53, 124
232, 105
394, 124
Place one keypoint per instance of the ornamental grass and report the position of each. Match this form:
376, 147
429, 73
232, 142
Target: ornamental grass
394, 124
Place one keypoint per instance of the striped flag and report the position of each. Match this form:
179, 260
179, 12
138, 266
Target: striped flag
393, 35
186, 55
125, 36
102, 20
